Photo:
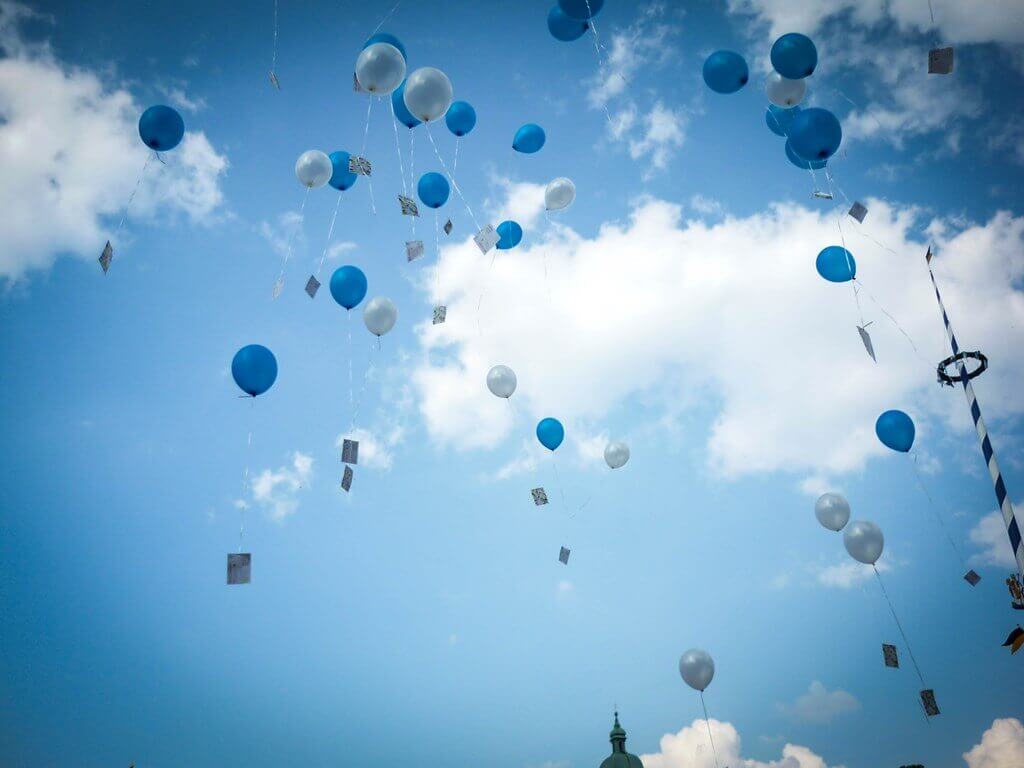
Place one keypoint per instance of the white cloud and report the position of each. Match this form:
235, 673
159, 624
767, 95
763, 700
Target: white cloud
990, 534
849, 573
1001, 746
820, 705
375, 447
815, 485
277, 490
643, 44
654, 135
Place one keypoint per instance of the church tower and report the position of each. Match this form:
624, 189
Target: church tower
620, 758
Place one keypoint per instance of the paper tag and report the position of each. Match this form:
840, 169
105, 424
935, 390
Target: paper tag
865, 338
563, 556
239, 568
355, 84
822, 195
350, 451
274, 81
413, 250
858, 211
409, 207
890, 656
440, 314
346, 478
312, 286
972, 577
540, 497
486, 238
359, 165
928, 699
940, 61
448, 227
278, 287
106, 257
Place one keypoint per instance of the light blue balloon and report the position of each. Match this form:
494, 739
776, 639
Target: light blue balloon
815, 134
529, 139
384, 37
161, 128
794, 56
341, 177
254, 369
725, 72
836, 264
402, 113
779, 119
550, 432
896, 430
433, 189
565, 28
510, 234
799, 162
460, 118
348, 286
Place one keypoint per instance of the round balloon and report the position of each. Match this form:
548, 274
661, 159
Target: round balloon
779, 120
836, 264
341, 177
799, 162
559, 194
428, 93
380, 315
616, 455
794, 56
896, 430
864, 541
832, 511
460, 118
550, 432
380, 68
384, 37
501, 380
402, 113
254, 369
510, 234
783, 92
161, 128
697, 668
529, 139
563, 27
725, 72
581, 9
433, 189
313, 168
815, 134
348, 286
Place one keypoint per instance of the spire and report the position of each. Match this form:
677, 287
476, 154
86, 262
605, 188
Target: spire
618, 736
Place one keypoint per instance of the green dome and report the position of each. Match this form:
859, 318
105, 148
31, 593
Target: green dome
620, 758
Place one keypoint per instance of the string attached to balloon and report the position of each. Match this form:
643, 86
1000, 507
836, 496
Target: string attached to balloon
903, 634
273, 58
362, 153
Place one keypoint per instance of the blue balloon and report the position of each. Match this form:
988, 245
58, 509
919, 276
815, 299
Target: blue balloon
565, 28
341, 177
529, 139
254, 369
402, 112
384, 37
433, 189
799, 162
725, 72
779, 119
896, 430
550, 432
510, 234
815, 134
836, 264
460, 118
348, 286
580, 9
161, 128
794, 56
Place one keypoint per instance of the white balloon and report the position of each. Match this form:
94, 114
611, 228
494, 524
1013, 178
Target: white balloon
783, 92
616, 454
559, 194
864, 541
832, 511
501, 380
380, 315
428, 93
313, 168
697, 668
380, 68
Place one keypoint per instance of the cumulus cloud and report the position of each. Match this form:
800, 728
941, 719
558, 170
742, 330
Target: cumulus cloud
820, 705
847, 572
655, 135
277, 490
990, 534
375, 446
1001, 746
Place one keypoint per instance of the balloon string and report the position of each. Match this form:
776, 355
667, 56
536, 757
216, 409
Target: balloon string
600, 60
273, 58
412, 157
451, 178
708, 724
842, 237
245, 478
384, 20
291, 238
455, 162
362, 152
899, 627
131, 197
935, 511
558, 481
351, 396
935, 33
437, 256
398, 149
330, 234
362, 388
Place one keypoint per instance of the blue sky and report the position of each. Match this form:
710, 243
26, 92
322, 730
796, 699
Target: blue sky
674, 306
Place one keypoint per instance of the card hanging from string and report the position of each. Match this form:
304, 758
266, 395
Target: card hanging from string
107, 255
440, 314
313, 284
940, 58
240, 563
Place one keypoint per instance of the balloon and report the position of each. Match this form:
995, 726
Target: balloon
563, 27
161, 128
779, 120
832, 511
384, 37
864, 541
380, 68
896, 430
313, 168
254, 369
815, 134
697, 668
836, 264
794, 56
433, 189
580, 9
402, 113
725, 72
380, 315
460, 118
510, 235
529, 139
550, 432
501, 380
559, 194
783, 92
616, 454
341, 177
348, 286
428, 93
799, 162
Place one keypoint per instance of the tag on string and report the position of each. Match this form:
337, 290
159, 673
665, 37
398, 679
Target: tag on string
413, 250
312, 286
346, 478
540, 497
350, 451
106, 257
274, 81
563, 556
359, 165
858, 212
972, 577
928, 699
486, 238
865, 338
356, 85
890, 656
940, 61
409, 207
278, 287
448, 227
239, 568
440, 314
822, 195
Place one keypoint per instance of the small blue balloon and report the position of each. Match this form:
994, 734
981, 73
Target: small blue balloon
433, 189
815, 134
161, 128
725, 72
341, 177
402, 113
384, 37
510, 234
529, 139
565, 28
460, 118
794, 56
799, 162
896, 430
581, 9
779, 119
550, 432
836, 264
254, 369
348, 286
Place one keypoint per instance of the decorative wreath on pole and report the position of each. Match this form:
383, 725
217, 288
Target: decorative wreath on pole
957, 360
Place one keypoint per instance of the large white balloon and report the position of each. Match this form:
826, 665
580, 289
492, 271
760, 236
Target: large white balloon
864, 541
428, 93
832, 511
783, 92
501, 380
380, 68
313, 168
559, 194
697, 668
616, 454
380, 315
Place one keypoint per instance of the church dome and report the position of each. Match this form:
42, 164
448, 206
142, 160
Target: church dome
620, 758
